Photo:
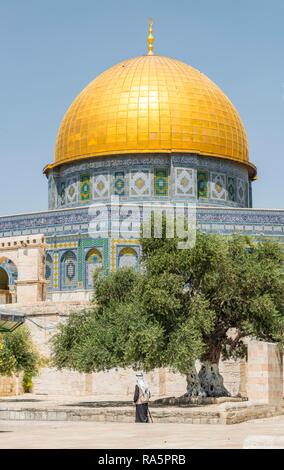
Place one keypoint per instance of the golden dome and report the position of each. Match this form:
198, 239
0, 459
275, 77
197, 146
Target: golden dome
151, 104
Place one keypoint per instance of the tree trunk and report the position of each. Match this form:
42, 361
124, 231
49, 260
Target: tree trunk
211, 381
194, 388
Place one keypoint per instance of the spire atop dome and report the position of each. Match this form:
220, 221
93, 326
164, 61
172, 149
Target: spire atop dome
150, 38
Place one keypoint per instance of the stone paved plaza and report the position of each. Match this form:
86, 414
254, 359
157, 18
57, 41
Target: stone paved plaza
40, 434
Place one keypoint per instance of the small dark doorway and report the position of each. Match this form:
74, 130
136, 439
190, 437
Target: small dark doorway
5, 296
4, 280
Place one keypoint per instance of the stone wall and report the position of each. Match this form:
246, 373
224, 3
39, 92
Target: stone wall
11, 385
73, 296
120, 382
265, 373
116, 383
43, 319
233, 379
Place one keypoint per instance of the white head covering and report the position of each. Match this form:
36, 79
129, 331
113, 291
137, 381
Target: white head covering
141, 382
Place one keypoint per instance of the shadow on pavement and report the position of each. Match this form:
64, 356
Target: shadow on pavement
100, 404
120, 404
19, 400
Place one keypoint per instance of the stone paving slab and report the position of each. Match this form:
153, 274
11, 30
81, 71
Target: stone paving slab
264, 442
90, 435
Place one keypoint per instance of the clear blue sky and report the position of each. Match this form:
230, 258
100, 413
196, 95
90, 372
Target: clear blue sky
50, 50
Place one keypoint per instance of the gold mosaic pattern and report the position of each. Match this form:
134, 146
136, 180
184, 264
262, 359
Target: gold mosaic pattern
55, 271
151, 104
57, 245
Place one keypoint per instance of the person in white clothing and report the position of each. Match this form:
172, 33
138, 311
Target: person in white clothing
141, 399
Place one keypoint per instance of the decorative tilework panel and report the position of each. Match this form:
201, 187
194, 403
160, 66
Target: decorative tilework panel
72, 191
185, 182
52, 193
140, 183
62, 193
101, 186
218, 186
133, 185
62, 244
241, 191
94, 262
119, 183
202, 184
49, 270
161, 181
247, 197
231, 189
55, 271
85, 246
68, 270
48, 267
85, 188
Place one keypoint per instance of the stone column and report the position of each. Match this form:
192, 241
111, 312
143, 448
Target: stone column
265, 373
162, 382
88, 383
243, 378
31, 283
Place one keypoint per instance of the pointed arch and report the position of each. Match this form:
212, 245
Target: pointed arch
93, 262
128, 257
68, 270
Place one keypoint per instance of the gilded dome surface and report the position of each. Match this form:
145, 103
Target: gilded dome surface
151, 104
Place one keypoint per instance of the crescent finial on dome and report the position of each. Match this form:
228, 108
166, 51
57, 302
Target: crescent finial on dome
150, 38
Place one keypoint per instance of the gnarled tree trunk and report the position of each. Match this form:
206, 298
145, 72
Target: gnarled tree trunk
211, 381
194, 388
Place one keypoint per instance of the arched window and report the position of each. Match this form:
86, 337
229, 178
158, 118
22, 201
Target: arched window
94, 261
128, 258
49, 269
68, 270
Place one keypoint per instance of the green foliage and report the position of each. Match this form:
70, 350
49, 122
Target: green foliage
17, 353
27, 382
183, 305
114, 288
